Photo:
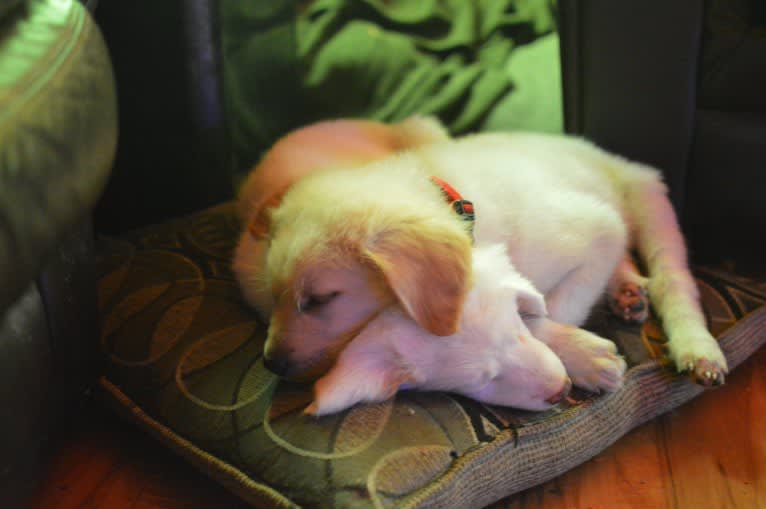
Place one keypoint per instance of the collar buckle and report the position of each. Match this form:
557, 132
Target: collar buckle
463, 208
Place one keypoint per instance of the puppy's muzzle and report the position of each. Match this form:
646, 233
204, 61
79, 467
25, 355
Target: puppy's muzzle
276, 363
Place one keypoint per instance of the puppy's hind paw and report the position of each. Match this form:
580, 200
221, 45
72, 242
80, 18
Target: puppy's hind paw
630, 302
705, 372
703, 361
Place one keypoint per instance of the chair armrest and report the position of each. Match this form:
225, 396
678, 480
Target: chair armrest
58, 132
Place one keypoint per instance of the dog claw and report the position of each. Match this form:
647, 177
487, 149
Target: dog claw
705, 372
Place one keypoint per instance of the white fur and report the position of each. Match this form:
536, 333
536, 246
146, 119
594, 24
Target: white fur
566, 212
332, 144
493, 357
557, 203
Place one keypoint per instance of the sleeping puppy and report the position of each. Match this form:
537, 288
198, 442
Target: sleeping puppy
493, 357
341, 143
343, 245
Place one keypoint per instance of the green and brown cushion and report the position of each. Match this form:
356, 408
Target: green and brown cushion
184, 362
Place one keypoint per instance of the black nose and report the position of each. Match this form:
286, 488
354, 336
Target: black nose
277, 364
638, 306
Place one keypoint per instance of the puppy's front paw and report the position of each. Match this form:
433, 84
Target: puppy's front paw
629, 300
331, 394
350, 383
593, 363
702, 359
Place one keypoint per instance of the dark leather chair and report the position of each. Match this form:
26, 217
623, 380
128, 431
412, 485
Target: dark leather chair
59, 155
173, 151
679, 85
57, 140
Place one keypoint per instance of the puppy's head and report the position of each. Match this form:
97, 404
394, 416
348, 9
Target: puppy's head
334, 265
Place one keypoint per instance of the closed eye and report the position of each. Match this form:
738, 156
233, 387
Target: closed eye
313, 302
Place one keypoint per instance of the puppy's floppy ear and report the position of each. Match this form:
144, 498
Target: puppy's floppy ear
260, 224
429, 271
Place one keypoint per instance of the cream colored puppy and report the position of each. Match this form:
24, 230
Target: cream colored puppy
345, 244
493, 357
333, 144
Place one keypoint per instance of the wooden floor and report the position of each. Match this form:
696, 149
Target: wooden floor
711, 453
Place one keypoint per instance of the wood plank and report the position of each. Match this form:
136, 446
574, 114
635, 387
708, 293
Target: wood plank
709, 453
107, 464
716, 444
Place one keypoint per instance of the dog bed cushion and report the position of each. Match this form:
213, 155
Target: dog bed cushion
184, 362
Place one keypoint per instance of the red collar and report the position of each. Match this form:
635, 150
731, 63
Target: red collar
464, 208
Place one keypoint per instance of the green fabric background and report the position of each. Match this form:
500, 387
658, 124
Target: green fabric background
288, 64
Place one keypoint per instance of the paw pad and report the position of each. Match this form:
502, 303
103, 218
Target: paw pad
630, 302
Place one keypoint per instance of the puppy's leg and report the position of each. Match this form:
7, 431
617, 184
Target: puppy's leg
591, 361
673, 291
354, 380
598, 249
627, 295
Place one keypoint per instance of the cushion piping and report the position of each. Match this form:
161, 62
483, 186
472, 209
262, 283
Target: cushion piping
232, 478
